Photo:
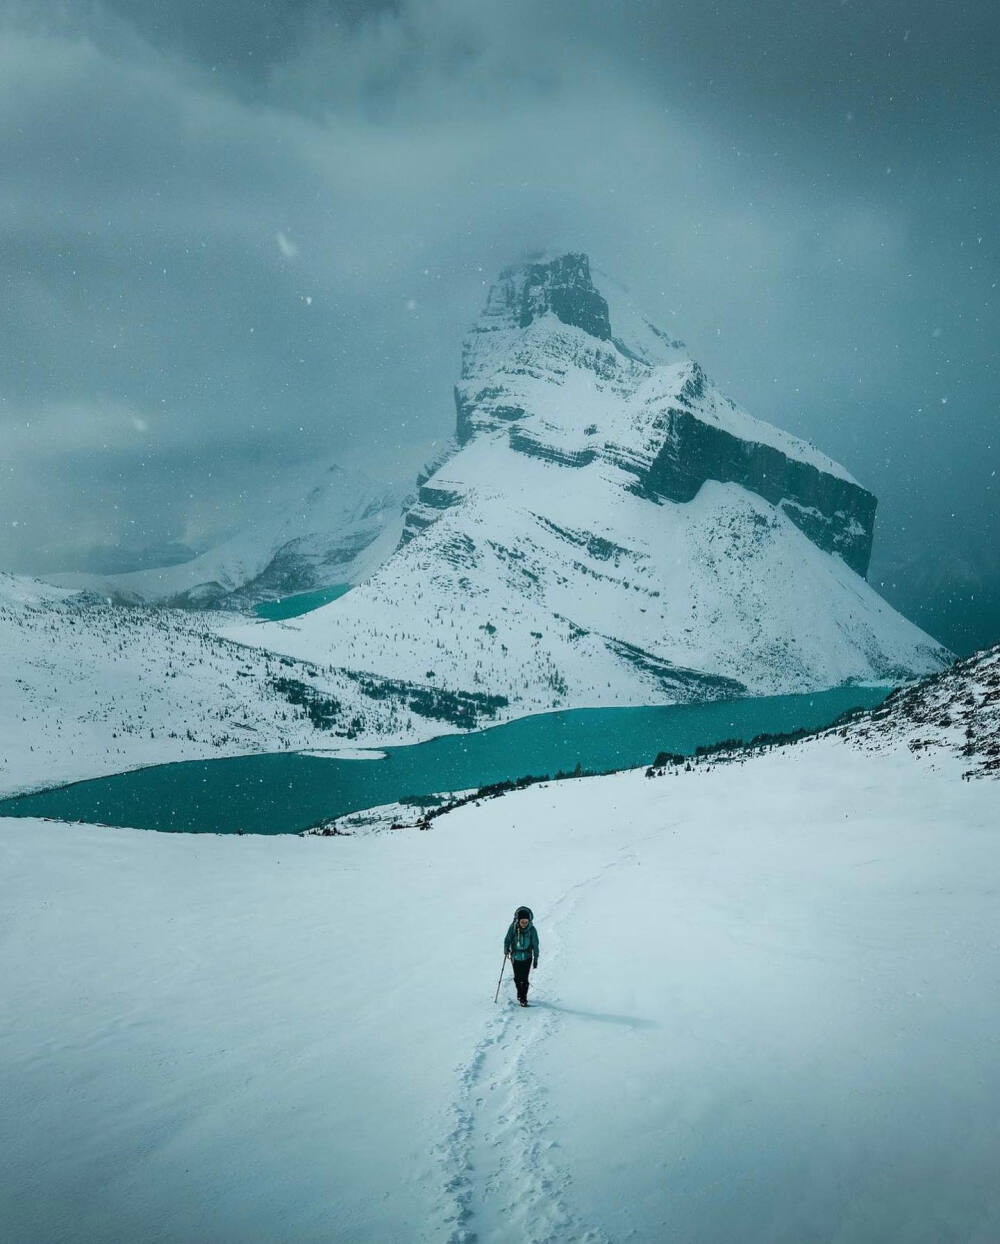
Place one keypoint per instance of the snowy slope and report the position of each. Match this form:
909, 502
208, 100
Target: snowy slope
607, 531
765, 1011
956, 711
313, 531
89, 688
732, 597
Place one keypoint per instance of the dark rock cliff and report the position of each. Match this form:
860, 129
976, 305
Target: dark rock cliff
562, 286
836, 514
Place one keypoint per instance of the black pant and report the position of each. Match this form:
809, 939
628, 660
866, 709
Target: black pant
521, 969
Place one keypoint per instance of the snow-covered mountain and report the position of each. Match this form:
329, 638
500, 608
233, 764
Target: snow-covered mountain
609, 529
310, 532
89, 688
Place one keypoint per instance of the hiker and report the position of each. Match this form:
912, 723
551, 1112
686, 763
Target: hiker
521, 947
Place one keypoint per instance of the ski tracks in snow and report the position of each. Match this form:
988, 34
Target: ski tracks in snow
503, 1177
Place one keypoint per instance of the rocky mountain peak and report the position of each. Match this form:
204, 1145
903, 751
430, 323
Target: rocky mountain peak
577, 376
562, 285
560, 290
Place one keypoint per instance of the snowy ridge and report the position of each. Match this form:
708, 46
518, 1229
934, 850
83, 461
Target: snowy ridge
90, 689
956, 712
545, 322
18, 591
685, 380
532, 606
313, 531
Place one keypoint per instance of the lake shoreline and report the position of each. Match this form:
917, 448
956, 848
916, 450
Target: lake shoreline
287, 792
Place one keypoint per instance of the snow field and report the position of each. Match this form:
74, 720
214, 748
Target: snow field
491, 598
766, 1010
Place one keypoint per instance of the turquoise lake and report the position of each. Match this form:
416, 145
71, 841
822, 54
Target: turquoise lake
301, 602
285, 792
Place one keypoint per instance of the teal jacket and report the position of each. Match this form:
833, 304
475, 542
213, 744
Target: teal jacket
522, 944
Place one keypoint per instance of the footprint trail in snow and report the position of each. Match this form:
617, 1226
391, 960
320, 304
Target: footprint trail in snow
504, 1178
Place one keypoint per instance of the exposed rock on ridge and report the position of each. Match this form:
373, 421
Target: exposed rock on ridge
956, 711
836, 514
562, 286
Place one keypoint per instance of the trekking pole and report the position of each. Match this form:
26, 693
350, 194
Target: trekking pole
502, 970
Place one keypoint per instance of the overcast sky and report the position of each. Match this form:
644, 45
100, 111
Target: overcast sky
243, 234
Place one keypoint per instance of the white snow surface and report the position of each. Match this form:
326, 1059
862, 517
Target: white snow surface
91, 689
766, 1010
725, 584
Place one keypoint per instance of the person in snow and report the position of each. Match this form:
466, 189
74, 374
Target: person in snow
520, 946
